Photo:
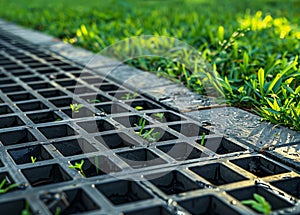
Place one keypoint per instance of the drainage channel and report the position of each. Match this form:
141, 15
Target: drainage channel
137, 156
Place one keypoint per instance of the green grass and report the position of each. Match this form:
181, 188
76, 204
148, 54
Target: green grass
258, 203
253, 45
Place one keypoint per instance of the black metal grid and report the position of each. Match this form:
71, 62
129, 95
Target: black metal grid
38, 86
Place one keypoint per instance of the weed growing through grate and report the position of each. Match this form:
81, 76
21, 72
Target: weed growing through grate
148, 135
57, 211
142, 104
33, 159
159, 116
26, 210
139, 108
76, 107
6, 186
96, 166
259, 203
202, 143
93, 101
128, 96
142, 123
79, 167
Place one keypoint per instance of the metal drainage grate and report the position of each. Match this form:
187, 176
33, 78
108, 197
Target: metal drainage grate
177, 174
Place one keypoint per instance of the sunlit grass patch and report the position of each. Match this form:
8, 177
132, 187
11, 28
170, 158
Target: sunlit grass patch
252, 45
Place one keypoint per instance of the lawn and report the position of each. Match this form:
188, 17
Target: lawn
252, 45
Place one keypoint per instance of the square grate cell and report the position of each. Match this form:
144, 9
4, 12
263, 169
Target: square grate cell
116, 140
4, 109
247, 193
57, 131
259, 166
32, 106
11, 121
123, 192
95, 126
182, 151
63, 102
208, 204
73, 147
81, 113
221, 146
45, 175
15, 207
72, 201
96, 166
44, 117
218, 174
173, 182
189, 129
16, 137
290, 186
21, 97
28, 154
141, 158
